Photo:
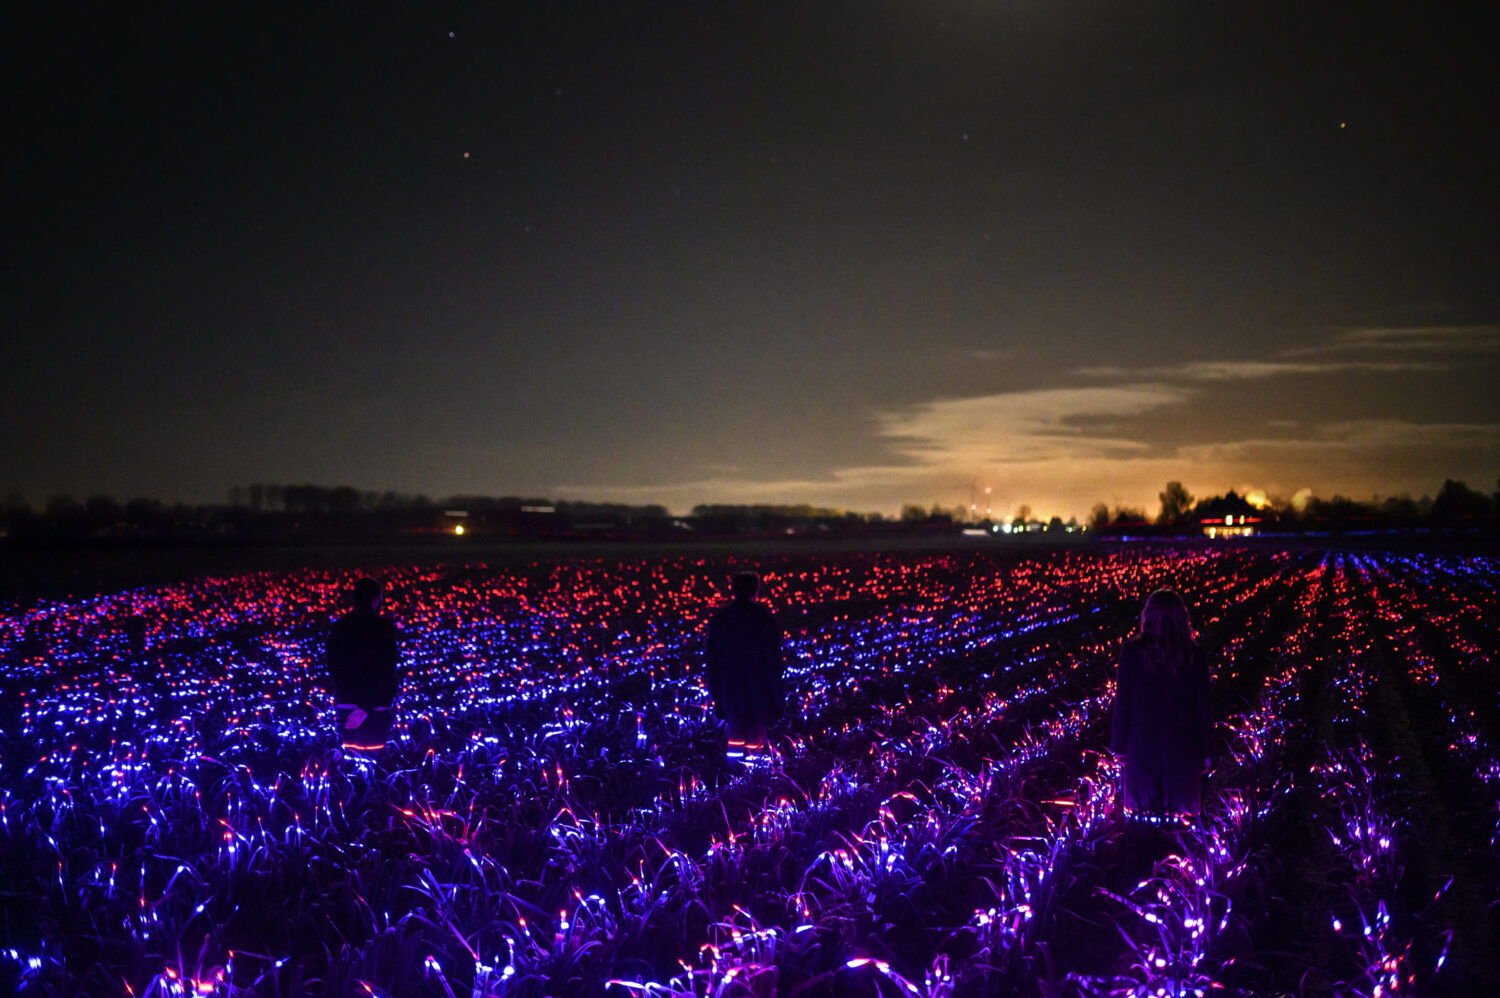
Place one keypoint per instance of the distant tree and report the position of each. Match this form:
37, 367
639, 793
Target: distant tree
101, 509
1400, 510
143, 510
1337, 514
296, 499
1129, 514
345, 499
1055, 525
1176, 501
912, 513
1099, 516
1457, 503
1279, 513
63, 506
16, 514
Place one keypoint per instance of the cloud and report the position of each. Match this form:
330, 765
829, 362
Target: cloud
1032, 447
1382, 350
1054, 440
1251, 370
1067, 488
1061, 449
1039, 424
1358, 441
1481, 339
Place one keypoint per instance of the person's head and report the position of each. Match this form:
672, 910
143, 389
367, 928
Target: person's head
744, 586
366, 595
1167, 630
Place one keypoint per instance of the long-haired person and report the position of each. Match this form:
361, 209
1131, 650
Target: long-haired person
744, 667
1163, 718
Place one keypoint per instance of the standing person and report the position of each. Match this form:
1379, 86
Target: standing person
1163, 719
362, 662
744, 666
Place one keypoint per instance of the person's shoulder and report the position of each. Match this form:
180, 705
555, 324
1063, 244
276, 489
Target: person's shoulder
755, 611
1133, 648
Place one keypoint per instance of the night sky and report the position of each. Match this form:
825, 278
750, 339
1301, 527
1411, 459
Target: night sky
855, 254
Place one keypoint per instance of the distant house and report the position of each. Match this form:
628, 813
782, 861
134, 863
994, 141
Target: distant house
1227, 516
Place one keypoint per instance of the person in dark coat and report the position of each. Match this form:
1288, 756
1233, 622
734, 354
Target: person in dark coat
362, 663
744, 666
1163, 718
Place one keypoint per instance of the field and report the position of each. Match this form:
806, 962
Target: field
555, 814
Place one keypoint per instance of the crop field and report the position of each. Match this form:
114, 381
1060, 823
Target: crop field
555, 815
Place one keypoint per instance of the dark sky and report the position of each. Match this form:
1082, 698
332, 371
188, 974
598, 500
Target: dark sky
856, 254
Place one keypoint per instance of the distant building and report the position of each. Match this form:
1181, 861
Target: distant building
1227, 516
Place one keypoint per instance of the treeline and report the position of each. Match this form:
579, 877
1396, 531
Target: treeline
717, 519
1456, 506
261, 514
314, 513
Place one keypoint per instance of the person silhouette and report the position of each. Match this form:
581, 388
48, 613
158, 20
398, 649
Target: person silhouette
744, 666
362, 654
1163, 717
